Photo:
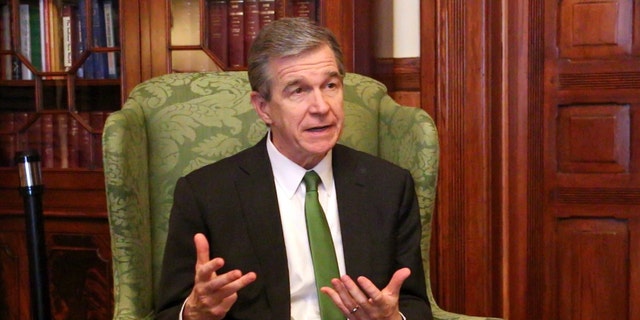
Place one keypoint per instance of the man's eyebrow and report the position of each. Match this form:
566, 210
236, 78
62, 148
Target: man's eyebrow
334, 74
292, 83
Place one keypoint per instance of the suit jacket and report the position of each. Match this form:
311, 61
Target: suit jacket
234, 203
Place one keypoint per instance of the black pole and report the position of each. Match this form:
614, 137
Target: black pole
31, 189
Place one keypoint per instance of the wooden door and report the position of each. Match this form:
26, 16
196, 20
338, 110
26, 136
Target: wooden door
591, 131
572, 159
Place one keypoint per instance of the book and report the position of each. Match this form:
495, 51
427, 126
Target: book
85, 156
251, 24
110, 22
100, 64
33, 137
7, 138
5, 44
218, 36
97, 119
20, 120
25, 39
73, 139
85, 70
305, 9
236, 33
47, 132
54, 43
69, 35
282, 9
267, 11
61, 144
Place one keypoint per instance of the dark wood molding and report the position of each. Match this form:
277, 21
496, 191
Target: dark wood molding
399, 74
458, 89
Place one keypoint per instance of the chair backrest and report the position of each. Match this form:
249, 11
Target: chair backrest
173, 124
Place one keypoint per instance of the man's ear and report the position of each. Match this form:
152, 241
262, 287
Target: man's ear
261, 106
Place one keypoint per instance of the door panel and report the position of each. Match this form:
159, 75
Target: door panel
591, 159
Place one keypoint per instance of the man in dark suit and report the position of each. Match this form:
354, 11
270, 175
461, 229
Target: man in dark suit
247, 211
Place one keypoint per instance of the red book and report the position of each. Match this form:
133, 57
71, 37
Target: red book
73, 139
251, 23
267, 10
61, 143
7, 138
33, 138
218, 36
47, 140
97, 119
236, 33
304, 8
86, 147
20, 119
282, 9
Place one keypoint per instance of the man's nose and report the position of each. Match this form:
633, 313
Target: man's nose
319, 101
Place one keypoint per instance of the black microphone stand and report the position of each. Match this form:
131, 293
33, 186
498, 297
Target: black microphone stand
31, 189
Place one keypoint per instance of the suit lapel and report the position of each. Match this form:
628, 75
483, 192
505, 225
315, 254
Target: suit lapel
256, 187
353, 206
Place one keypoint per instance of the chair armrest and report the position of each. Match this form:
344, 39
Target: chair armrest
126, 182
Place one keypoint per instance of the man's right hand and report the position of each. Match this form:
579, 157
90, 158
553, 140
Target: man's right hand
213, 294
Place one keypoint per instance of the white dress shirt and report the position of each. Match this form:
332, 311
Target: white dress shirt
291, 194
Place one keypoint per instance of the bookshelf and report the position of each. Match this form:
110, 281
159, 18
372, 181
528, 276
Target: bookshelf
57, 104
60, 77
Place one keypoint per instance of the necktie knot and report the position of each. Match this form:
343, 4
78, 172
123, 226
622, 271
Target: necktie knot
311, 180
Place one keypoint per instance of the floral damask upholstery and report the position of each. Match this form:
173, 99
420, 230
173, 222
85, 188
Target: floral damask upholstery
173, 124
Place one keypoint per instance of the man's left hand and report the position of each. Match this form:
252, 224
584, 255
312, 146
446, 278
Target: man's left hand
364, 301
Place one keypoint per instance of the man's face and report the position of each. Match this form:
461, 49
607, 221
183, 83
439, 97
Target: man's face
305, 112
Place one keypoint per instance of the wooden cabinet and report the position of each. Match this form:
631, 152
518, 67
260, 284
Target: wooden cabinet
58, 106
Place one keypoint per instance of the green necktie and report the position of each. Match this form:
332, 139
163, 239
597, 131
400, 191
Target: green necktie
325, 264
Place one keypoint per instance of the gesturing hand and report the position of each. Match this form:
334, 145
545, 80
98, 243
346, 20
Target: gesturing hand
213, 294
366, 301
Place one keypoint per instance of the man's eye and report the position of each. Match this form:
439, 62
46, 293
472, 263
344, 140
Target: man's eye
297, 91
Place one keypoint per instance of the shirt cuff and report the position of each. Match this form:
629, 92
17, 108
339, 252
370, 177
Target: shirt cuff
187, 299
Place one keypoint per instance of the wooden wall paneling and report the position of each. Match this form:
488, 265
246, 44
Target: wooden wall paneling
341, 25
522, 166
467, 228
401, 76
591, 166
593, 271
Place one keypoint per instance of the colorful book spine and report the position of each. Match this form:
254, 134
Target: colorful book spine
110, 37
218, 36
25, 40
236, 33
85, 71
69, 35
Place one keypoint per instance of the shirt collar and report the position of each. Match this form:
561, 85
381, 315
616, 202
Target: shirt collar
289, 174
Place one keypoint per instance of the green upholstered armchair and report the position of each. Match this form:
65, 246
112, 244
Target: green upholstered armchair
173, 124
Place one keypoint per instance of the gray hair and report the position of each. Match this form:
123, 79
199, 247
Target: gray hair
286, 37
